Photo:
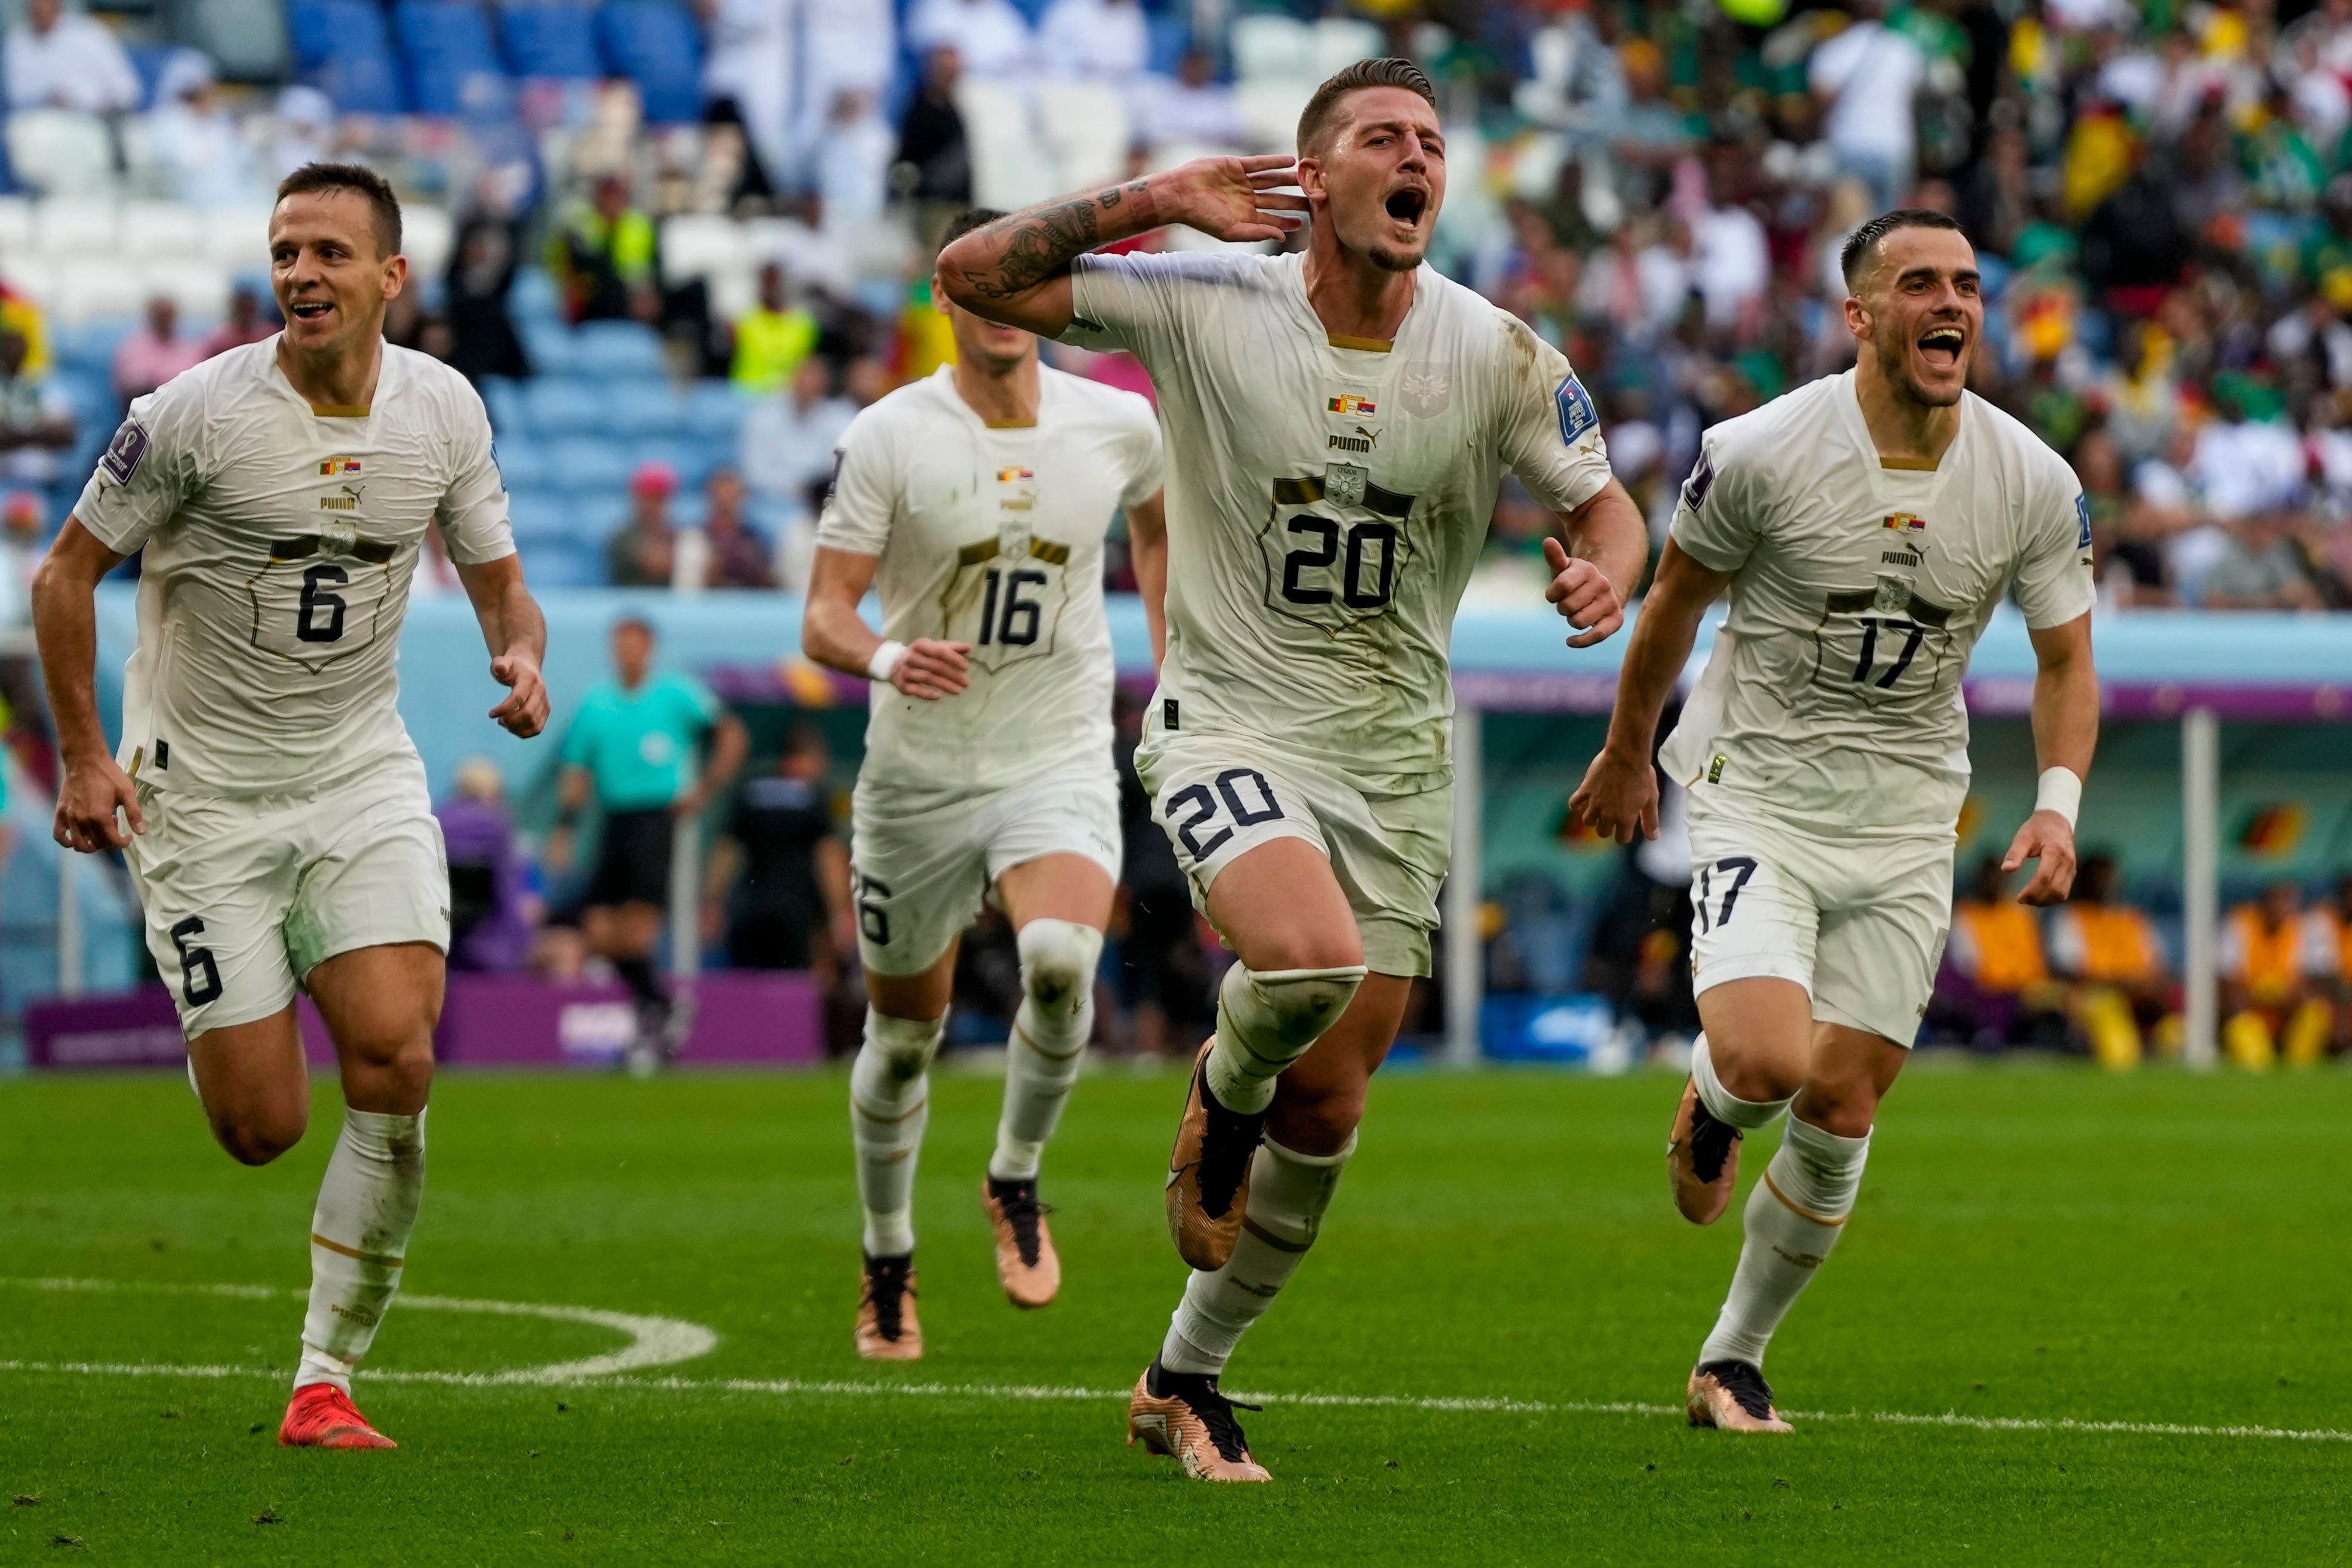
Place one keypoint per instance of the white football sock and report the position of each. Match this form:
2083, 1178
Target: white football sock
1794, 1217
1265, 1022
1049, 1035
1722, 1103
359, 1236
890, 1103
1288, 1193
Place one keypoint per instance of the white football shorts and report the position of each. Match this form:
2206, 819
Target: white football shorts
1859, 922
921, 863
243, 897
1218, 798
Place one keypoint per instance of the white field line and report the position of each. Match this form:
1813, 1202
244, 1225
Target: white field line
1049, 1393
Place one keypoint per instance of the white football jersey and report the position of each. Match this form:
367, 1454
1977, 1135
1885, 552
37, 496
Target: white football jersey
1327, 497
1832, 699
994, 537
279, 540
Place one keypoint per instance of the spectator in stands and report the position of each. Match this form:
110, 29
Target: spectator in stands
57, 58
1867, 79
2331, 921
773, 337
1191, 108
934, 164
305, 130
481, 273
2275, 982
1995, 987
37, 421
777, 889
849, 169
738, 557
644, 552
601, 253
155, 352
787, 441
1102, 40
201, 152
2112, 956
989, 36
631, 749
748, 72
244, 324
491, 906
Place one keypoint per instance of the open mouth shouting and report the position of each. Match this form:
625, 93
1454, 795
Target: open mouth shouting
1942, 346
1407, 203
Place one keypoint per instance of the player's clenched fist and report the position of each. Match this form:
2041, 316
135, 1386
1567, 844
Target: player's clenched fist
87, 803
2046, 838
1619, 796
932, 669
524, 711
1584, 596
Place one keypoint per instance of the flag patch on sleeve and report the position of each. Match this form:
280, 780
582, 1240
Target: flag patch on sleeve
1577, 414
2083, 522
124, 452
1701, 480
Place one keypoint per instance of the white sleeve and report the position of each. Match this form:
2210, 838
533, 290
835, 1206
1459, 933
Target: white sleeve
863, 499
1715, 519
1550, 425
473, 511
149, 469
1121, 302
1144, 475
2054, 572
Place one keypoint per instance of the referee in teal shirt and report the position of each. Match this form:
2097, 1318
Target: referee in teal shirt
631, 746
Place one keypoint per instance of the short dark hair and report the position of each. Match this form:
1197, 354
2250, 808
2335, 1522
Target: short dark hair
1855, 254
1315, 118
359, 179
971, 218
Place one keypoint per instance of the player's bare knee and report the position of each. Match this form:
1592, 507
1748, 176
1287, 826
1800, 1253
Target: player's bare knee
1317, 1116
1845, 1105
255, 1135
1058, 963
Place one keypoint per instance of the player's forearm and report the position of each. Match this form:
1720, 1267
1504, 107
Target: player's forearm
516, 626
64, 629
834, 634
2066, 714
1663, 633
1608, 532
1013, 255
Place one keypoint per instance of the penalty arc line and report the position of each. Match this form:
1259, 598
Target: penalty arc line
823, 1388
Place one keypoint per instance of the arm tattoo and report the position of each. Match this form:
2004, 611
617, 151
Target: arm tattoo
1039, 243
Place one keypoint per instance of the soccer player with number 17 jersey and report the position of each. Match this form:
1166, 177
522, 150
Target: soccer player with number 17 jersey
280, 833
1337, 424
1865, 526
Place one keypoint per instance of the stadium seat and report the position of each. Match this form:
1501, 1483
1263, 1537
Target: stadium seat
427, 234
654, 44
239, 237
1270, 108
715, 411
549, 38
34, 277
443, 45
533, 299
15, 224
550, 346
246, 39
198, 287
560, 406
70, 229
644, 406
539, 517
692, 461
344, 49
1340, 42
90, 345
57, 150
161, 228
566, 563
98, 286
1086, 125
1271, 48
696, 244
580, 463
504, 399
1011, 168
616, 349
522, 462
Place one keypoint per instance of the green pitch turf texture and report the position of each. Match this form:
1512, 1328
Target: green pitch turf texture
2036, 1243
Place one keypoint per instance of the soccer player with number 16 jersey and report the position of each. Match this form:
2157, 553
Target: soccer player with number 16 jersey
1338, 423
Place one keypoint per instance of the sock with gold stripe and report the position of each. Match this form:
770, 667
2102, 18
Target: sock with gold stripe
1794, 1217
1288, 1193
359, 1238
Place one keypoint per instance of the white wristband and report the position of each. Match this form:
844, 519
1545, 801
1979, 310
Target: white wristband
885, 660
2060, 791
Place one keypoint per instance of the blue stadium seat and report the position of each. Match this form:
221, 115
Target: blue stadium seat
560, 406
533, 299
715, 410
590, 466
693, 460
505, 400
548, 345
616, 349
654, 44
91, 344
521, 461
566, 563
344, 49
443, 43
642, 406
540, 516
551, 38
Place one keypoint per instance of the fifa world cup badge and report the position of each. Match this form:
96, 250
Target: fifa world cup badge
1343, 484
1894, 596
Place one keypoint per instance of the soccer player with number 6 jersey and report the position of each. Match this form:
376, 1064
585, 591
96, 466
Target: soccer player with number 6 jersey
279, 830
976, 501
1865, 526
1338, 423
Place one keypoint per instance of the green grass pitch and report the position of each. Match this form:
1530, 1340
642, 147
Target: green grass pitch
2032, 1243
